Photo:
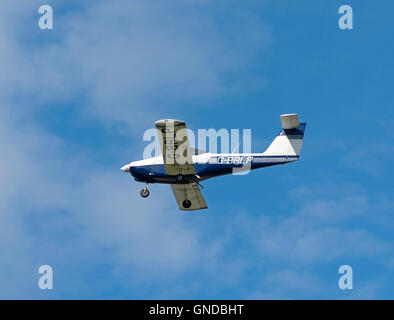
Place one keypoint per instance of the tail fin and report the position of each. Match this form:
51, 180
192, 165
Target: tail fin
289, 140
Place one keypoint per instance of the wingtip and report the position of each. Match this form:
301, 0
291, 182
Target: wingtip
164, 122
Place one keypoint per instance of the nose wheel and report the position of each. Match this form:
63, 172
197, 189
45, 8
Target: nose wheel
145, 192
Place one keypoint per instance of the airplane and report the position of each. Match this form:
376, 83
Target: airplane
185, 176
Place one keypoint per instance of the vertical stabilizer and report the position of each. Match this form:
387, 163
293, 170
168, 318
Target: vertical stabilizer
289, 141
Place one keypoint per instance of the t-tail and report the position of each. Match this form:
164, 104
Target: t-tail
289, 140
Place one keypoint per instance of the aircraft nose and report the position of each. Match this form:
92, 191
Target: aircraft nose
125, 168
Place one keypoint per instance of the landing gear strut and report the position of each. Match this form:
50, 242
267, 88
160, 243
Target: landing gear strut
144, 192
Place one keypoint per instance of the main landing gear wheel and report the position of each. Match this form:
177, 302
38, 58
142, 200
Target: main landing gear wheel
180, 178
144, 192
186, 204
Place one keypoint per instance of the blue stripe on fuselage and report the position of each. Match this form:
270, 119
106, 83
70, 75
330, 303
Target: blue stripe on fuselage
150, 173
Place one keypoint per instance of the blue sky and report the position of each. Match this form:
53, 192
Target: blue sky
75, 101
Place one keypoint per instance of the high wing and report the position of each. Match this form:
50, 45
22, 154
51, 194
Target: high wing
191, 192
178, 160
176, 155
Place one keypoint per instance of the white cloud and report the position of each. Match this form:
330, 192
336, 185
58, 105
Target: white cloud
131, 60
287, 283
321, 231
49, 216
372, 157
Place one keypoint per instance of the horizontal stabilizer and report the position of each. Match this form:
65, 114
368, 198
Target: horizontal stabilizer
289, 121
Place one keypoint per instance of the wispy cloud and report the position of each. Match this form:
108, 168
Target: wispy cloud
129, 63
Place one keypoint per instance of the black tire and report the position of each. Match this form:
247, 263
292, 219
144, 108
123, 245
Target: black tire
144, 193
186, 204
180, 178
